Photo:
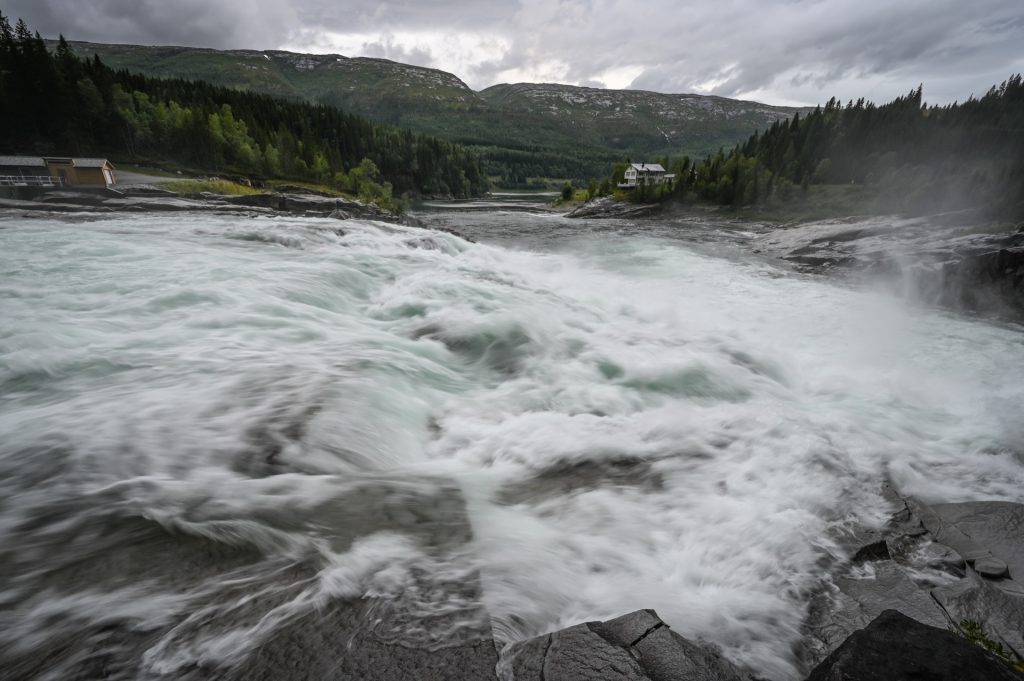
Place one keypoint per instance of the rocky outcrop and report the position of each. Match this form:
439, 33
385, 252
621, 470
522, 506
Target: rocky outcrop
934, 259
989, 535
635, 647
146, 200
950, 566
895, 647
608, 207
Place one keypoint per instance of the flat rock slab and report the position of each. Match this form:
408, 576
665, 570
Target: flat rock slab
635, 647
335, 644
279, 622
891, 589
895, 647
996, 527
611, 208
156, 200
853, 603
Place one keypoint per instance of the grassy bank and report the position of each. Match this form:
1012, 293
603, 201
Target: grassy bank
311, 186
212, 186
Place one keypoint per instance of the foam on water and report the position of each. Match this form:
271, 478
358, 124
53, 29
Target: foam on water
632, 423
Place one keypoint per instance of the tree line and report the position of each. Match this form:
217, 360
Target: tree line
906, 155
57, 103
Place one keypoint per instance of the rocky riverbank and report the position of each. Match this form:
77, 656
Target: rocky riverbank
268, 571
151, 199
937, 594
946, 260
609, 207
934, 595
955, 260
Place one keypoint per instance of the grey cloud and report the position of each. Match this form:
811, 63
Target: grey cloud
387, 48
776, 50
193, 23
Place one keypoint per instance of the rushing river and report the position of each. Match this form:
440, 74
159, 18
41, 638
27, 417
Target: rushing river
635, 417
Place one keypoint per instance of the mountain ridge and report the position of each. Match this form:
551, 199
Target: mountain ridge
520, 129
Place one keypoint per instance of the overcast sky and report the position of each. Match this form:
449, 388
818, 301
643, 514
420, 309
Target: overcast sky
775, 51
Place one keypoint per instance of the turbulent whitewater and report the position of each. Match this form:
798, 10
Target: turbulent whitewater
632, 421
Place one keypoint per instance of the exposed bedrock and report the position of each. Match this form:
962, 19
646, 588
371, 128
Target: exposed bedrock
895, 647
145, 199
370, 583
608, 207
957, 567
958, 266
932, 596
635, 647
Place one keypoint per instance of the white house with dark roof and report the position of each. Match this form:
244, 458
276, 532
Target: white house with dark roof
645, 174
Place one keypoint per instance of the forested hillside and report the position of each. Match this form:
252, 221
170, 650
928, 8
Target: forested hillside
521, 131
57, 103
905, 154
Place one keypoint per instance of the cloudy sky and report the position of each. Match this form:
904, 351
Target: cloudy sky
775, 51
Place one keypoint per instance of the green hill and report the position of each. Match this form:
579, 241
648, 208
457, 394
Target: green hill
522, 130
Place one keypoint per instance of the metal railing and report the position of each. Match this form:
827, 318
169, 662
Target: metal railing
30, 181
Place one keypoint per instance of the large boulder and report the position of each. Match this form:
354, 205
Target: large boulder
895, 647
635, 647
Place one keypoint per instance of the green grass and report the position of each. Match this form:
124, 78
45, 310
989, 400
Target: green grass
975, 633
326, 189
578, 196
212, 186
145, 170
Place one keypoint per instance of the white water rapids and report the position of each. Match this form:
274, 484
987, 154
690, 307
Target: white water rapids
633, 422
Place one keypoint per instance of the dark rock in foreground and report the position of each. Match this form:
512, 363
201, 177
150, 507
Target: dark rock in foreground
895, 647
634, 647
946, 565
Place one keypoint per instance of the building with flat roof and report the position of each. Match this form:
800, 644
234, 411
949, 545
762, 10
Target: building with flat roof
56, 171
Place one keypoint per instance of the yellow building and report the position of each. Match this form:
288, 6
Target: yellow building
81, 172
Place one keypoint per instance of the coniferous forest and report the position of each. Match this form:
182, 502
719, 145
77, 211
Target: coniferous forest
905, 155
58, 103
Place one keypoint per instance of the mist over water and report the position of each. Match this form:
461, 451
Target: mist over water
633, 421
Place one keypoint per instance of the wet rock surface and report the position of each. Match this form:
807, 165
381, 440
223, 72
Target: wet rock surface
150, 199
638, 646
228, 609
608, 207
994, 527
949, 566
894, 647
943, 260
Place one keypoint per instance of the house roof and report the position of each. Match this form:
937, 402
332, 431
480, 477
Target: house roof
22, 161
91, 162
649, 167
